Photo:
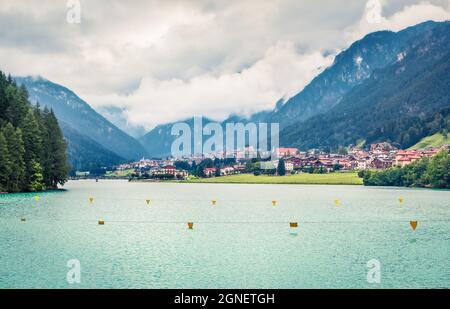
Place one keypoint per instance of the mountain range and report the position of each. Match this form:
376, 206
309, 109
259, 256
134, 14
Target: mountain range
93, 141
354, 68
394, 104
388, 86
351, 68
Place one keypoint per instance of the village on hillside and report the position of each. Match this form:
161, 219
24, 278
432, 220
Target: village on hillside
376, 157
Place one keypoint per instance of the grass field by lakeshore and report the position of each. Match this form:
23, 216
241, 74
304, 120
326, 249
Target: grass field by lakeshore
122, 173
318, 179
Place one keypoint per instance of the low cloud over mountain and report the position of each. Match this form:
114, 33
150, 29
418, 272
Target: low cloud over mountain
165, 61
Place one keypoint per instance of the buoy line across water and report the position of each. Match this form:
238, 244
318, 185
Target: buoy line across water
148, 200
412, 223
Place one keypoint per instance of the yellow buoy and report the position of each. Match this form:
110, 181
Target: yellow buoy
274, 203
191, 225
293, 225
37, 198
213, 203
148, 202
401, 200
101, 222
91, 200
413, 225
337, 202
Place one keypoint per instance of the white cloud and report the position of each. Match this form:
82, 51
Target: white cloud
373, 19
254, 89
167, 60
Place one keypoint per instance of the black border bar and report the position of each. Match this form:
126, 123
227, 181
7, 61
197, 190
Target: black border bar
241, 298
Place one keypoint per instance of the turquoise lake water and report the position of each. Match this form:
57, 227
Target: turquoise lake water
242, 242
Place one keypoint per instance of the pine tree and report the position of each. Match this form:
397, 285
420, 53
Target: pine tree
32, 147
32, 142
36, 181
281, 169
46, 160
5, 163
3, 100
56, 153
38, 114
16, 151
17, 104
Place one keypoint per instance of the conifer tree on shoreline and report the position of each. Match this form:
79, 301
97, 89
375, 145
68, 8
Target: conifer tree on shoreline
32, 147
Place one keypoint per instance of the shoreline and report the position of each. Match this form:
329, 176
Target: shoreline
247, 183
344, 179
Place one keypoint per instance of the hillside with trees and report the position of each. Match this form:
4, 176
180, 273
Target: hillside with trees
77, 115
32, 147
428, 172
435, 140
401, 103
384, 87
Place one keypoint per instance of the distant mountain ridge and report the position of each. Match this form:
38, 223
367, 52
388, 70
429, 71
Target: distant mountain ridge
401, 103
351, 68
323, 114
158, 142
85, 154
80, 119
116, 116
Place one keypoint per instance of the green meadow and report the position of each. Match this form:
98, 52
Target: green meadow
317, 179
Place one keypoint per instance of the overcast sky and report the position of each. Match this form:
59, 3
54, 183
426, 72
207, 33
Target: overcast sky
166, 60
